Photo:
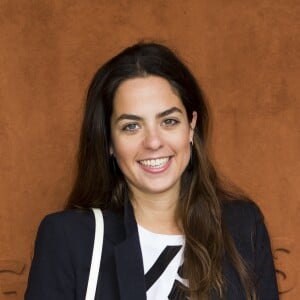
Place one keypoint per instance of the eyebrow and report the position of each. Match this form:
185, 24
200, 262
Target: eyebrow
159, 115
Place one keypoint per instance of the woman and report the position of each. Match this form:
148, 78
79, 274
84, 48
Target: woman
171, 230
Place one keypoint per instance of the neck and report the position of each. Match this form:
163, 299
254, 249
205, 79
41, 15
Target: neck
156, 213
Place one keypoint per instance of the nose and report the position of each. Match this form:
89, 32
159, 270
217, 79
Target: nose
153, 139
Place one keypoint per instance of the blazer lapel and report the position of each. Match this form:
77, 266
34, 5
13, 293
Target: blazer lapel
129, 262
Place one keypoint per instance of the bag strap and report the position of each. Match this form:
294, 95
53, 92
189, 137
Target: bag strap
96, 257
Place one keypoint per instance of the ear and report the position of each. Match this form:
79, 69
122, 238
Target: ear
193, 125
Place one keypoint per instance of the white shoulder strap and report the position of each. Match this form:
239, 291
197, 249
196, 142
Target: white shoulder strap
96, 257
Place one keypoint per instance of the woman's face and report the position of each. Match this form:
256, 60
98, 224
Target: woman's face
150, 135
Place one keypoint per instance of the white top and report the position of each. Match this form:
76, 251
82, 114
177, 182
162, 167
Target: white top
162, 258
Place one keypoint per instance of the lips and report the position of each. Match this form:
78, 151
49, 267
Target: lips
156, 163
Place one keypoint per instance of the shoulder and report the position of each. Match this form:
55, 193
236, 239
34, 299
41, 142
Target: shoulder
64, 228
63, 248
244, 221
241, 211
67, 218
78, 225
64, 224
76, 218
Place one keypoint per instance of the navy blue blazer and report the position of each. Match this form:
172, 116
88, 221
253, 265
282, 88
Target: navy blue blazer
64, 245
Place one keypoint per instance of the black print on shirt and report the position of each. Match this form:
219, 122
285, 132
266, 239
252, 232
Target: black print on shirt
160, 265
178, 290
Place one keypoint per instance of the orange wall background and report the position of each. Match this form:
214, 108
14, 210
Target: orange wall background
244, 53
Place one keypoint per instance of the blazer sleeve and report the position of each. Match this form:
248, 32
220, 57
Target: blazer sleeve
51, 275
264, 265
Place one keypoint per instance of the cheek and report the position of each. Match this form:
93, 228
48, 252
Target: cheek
182, 146
124, 151
187, 151
182, 140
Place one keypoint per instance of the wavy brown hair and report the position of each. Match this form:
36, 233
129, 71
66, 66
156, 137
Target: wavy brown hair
100, 183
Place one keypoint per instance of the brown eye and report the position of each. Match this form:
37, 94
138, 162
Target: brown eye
130, 127
170, 122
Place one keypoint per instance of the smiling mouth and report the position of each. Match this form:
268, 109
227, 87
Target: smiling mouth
155, 163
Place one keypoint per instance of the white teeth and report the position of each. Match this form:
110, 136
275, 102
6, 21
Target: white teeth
155, 163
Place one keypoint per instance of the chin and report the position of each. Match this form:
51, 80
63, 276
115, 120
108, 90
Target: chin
156, 189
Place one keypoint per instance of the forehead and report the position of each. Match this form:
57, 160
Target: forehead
144, 95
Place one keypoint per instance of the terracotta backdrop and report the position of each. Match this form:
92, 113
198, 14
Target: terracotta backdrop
244, 52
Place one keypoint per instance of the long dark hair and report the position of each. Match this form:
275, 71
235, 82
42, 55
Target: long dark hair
100, 183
